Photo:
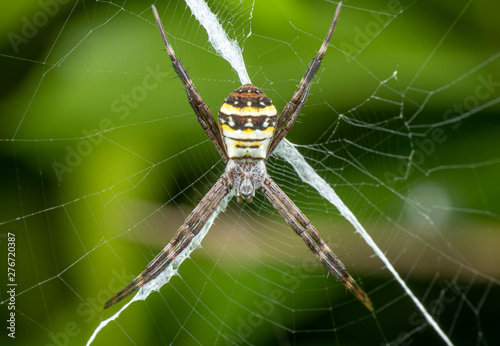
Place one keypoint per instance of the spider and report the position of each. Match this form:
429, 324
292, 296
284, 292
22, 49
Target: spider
247, 132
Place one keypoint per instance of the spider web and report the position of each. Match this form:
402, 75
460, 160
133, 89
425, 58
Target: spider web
103, 160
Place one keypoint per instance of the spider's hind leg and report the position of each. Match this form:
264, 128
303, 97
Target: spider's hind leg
202, 111
294, 106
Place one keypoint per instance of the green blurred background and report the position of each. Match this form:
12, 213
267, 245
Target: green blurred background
102, 159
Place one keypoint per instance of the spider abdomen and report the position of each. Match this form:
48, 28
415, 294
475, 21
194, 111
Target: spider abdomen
247, 120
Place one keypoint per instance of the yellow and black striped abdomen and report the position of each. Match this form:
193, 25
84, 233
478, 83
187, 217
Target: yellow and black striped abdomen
247, 119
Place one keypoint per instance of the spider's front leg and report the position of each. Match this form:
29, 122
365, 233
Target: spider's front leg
193, 224
303, 227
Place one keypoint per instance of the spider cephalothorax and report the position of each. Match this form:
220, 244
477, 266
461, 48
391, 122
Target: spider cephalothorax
246, 177
249, 130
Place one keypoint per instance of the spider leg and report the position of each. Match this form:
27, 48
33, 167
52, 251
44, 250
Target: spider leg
294, 106
192, 225
303, 227
202, 111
